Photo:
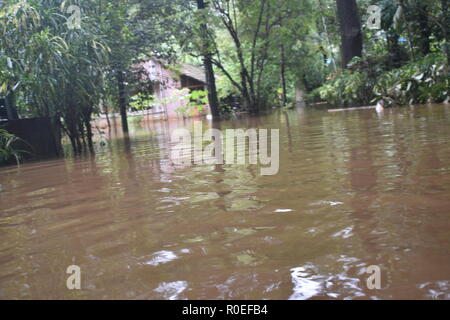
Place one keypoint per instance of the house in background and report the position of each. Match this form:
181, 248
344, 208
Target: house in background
168, 81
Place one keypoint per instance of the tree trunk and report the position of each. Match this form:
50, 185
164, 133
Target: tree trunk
212, 90
299, 98
424, 28
106, 112
283, 76
122, 100
394, 49
89, 134
351, 35
446, 22
445, 12
325, 29
209, 71
56, 129
87, 113
82, 134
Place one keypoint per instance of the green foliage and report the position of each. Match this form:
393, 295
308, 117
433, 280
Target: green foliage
422, 81
64, 73
250, 40
314, 95
197, 102
8, 150
55, 71
347, 88
142, 101
256, 47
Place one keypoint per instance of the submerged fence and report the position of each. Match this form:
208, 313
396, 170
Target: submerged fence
39, 138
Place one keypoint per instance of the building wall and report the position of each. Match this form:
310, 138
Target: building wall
167, 90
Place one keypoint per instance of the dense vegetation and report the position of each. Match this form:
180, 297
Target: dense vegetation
62, 59
8, 147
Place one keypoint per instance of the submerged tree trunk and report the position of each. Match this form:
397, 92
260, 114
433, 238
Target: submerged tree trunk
82, 134
72, 129
106, 112
74, 135
87, 124
56, 130
212, 90
351, 34
209, 71
122, 100
87, 113
299, 97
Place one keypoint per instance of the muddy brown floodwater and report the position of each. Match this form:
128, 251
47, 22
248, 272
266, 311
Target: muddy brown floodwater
354, 189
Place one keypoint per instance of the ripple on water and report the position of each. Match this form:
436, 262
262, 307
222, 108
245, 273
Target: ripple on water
250, 258
329, 203
344, 233
172, 290
437, 290
309, 283
164, 256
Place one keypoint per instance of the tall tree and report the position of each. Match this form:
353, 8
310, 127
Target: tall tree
424, 27
228, 12
116, 20
133, 30
207, 62
283, 76
351, 34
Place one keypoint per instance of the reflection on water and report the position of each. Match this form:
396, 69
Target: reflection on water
353, 190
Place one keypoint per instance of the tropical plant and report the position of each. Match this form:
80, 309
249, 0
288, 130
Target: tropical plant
8, 147
422, 81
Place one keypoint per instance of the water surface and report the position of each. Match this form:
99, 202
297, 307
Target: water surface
354, 189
